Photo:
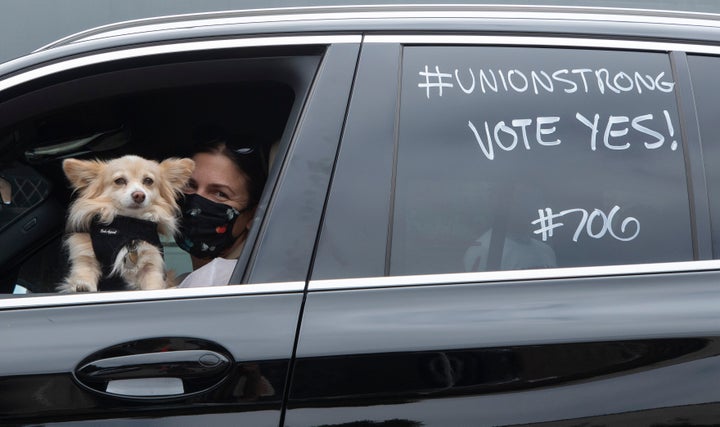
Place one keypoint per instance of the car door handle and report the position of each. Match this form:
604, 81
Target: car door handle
183, 363
159, 372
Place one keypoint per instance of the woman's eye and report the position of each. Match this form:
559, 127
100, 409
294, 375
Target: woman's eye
120, 181
221, 195
148, 181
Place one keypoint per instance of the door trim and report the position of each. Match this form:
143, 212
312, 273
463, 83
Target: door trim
53, 300
515, 275
535, 41
195, 46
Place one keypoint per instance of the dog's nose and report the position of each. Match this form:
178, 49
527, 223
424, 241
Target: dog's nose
138, 196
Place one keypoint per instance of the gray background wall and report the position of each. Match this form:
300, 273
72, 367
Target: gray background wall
26, 25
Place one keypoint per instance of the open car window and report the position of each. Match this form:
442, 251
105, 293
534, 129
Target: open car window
150, 107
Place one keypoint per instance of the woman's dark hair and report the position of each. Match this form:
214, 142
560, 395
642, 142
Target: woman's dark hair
249, 152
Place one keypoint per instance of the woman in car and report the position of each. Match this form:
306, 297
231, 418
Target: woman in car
219, 205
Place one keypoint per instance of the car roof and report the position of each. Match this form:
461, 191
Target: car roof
370, 17
517, 20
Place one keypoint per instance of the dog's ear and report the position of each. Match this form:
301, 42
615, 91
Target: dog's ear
81, 172
177, 171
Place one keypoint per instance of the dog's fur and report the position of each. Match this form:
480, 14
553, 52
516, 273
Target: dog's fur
128, 186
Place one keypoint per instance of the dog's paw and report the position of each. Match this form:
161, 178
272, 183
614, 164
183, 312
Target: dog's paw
72, 286
151, 216
65, 288
85, 287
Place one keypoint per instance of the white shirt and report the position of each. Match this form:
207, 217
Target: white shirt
215, 273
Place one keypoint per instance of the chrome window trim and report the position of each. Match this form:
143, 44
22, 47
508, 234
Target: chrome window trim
86, 298
490, 277
136, 52
495, 277
432, 13
603, 43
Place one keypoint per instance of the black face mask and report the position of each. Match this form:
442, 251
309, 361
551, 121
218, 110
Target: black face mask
206, 226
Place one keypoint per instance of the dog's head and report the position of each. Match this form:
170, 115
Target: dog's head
129, 186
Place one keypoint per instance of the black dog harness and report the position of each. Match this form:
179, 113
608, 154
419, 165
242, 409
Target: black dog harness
109, 239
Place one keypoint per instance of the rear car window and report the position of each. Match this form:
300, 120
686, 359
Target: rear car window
704, 71
515, 158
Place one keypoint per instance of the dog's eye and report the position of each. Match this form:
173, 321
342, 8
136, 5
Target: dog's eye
120, 181
148, 181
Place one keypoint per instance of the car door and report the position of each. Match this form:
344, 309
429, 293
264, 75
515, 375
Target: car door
209, 355
521, 237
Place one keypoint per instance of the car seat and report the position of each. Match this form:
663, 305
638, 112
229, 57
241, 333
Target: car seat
29, 218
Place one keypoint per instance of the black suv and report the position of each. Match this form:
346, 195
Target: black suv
476, 215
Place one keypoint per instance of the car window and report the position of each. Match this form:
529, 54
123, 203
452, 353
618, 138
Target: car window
511, 159
151, 108
704, 71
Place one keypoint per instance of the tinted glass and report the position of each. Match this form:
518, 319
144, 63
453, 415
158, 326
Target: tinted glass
515, 158
353, 241
21, 189
704, 71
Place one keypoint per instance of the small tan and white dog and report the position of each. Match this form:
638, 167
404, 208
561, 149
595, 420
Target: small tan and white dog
113, 224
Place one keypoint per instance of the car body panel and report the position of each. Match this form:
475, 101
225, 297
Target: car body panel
468, 353
44, 388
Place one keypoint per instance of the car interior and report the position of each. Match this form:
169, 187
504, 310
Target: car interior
149, 108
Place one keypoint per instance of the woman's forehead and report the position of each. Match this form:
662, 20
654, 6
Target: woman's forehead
217, 169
